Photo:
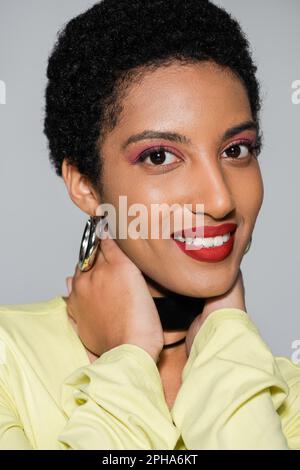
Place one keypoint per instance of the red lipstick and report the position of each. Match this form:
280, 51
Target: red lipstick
209, 254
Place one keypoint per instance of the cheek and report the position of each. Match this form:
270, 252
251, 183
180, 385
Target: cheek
131, 201
249, 193
135, 192
259, 191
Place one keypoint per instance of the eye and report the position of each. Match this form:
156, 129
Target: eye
240, 150
158, 157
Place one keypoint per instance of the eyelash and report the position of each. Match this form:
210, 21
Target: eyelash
254, 148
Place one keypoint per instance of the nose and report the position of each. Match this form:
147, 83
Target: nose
207, 185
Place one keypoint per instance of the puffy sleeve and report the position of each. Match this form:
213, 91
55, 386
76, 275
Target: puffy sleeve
233, 390
12, 434
117, 402
290, 409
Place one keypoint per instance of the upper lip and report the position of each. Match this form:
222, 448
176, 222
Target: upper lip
208, 230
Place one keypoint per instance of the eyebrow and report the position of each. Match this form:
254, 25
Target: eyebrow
182, 139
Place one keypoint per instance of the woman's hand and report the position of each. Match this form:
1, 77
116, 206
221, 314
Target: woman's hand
111, 304
233, 298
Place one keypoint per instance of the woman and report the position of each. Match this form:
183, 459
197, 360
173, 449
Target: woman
157, 101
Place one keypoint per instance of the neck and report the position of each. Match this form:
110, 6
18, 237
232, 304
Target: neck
169, 336
155, 289
174, 311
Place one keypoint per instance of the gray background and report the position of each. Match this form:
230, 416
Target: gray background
41, 228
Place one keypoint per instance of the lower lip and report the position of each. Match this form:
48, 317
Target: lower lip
212, 255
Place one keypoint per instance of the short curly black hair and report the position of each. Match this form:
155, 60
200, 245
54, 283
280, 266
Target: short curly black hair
101, 51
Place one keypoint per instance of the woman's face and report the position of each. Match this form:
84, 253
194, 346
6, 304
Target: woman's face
202, 102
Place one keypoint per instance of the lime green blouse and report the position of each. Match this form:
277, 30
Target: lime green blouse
234, 394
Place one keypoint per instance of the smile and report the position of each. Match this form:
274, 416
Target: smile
206, 242
211, 248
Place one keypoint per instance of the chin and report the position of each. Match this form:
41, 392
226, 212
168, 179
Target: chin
201, 285
185, 276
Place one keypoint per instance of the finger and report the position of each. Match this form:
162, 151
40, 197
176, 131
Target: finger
69, 284
77, 272
110, 249
99, 257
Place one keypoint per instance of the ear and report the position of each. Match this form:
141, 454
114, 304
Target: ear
80, 190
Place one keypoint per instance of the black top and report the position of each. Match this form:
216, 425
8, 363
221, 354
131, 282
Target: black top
177, 311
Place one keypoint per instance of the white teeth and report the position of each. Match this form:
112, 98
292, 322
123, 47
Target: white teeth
179, 238
218, 241
207, 242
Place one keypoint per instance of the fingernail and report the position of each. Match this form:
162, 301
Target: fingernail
68, 281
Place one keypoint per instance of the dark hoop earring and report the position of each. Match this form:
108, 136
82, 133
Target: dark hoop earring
89, 242
248, 246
